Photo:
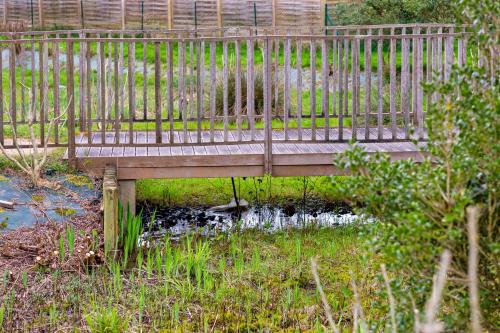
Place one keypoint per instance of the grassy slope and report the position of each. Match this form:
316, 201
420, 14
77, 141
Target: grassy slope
250, 281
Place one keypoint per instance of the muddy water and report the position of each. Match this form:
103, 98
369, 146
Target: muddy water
176, 221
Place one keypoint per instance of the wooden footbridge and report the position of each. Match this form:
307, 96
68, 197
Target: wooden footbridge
220, 103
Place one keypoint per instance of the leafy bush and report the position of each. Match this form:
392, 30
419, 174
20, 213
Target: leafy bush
421, 206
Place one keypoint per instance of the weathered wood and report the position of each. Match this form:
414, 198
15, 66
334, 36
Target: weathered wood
334, 74
191, 79
420, 90
102, 88
43, 90
55, 71
110, 204
199, 92
325, 93
380, 65
7, 204
299, 88
237, 84
213, 91
131, 90
12, 79
2, 139
170, 90
268, 147
116, 92
250, 88
158, 122
81, 67
23, 82
354, 94
127, 190
392, 85
368, 82
145, 80
33, 79
287, 83
225, 83
71, 104
182, 88
405, 84
312, 91
341, 93
88, 81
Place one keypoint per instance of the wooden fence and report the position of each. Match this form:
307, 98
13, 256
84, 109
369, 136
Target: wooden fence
108, 90
133, 14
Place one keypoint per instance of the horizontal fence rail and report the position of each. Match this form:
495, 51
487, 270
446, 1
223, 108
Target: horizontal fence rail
98, 90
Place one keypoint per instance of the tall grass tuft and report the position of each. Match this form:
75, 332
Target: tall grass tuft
130, 228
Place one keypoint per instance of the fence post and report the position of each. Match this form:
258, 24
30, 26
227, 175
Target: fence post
268, 144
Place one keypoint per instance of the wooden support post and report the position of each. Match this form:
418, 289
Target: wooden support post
110, 204
128, 196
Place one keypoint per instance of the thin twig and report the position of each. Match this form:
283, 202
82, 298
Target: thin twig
473, 214
392, 302
326, 305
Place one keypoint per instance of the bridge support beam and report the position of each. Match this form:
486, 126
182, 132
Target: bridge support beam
110, 204
127, 196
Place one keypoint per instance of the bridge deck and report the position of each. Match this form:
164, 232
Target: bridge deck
146, 159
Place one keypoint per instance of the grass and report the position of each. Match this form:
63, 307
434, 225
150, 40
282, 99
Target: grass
218, 191
250, 281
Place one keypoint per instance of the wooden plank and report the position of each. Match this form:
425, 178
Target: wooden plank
392, 84
102, 95
312, 51
55, 73
191, 79
428, 67
286, 87
33, 79
325, 92
145, 80
380, 65
341, 92
120, 79
250, 88
131, 90
299, 89
182, 88
275, 74
157, 93
420, 91
81, 67
41, 75
268, 146
201, 64
354, 94
88, 81
238, 90
213, 91
71, 105
405, 83
170, 90
368, 81
2, 142
23, 82
333, 72
116, 89
225, 77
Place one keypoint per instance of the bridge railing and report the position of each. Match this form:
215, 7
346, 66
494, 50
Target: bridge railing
117, 89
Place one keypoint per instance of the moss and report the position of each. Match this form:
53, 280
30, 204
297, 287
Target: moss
65, 211
80, 181
37, 198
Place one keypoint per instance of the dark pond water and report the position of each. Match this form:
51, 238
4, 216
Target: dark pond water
176, 221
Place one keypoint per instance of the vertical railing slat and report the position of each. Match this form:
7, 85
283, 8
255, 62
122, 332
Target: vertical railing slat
238, 90
71, 103
299, 89
225, 78
267, 92
380, 65
81, 68
102, 87
88, 81
392, 86
346, 78
312, 91
157, 93
2, 139
250, 88
55, 63
145, 80
116, 93
405, 83
131, 90
182, 90
199, 93
43, 87
354, 92
286, 88
341, 90
325, 69
170, 90
368, 82
213, 96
